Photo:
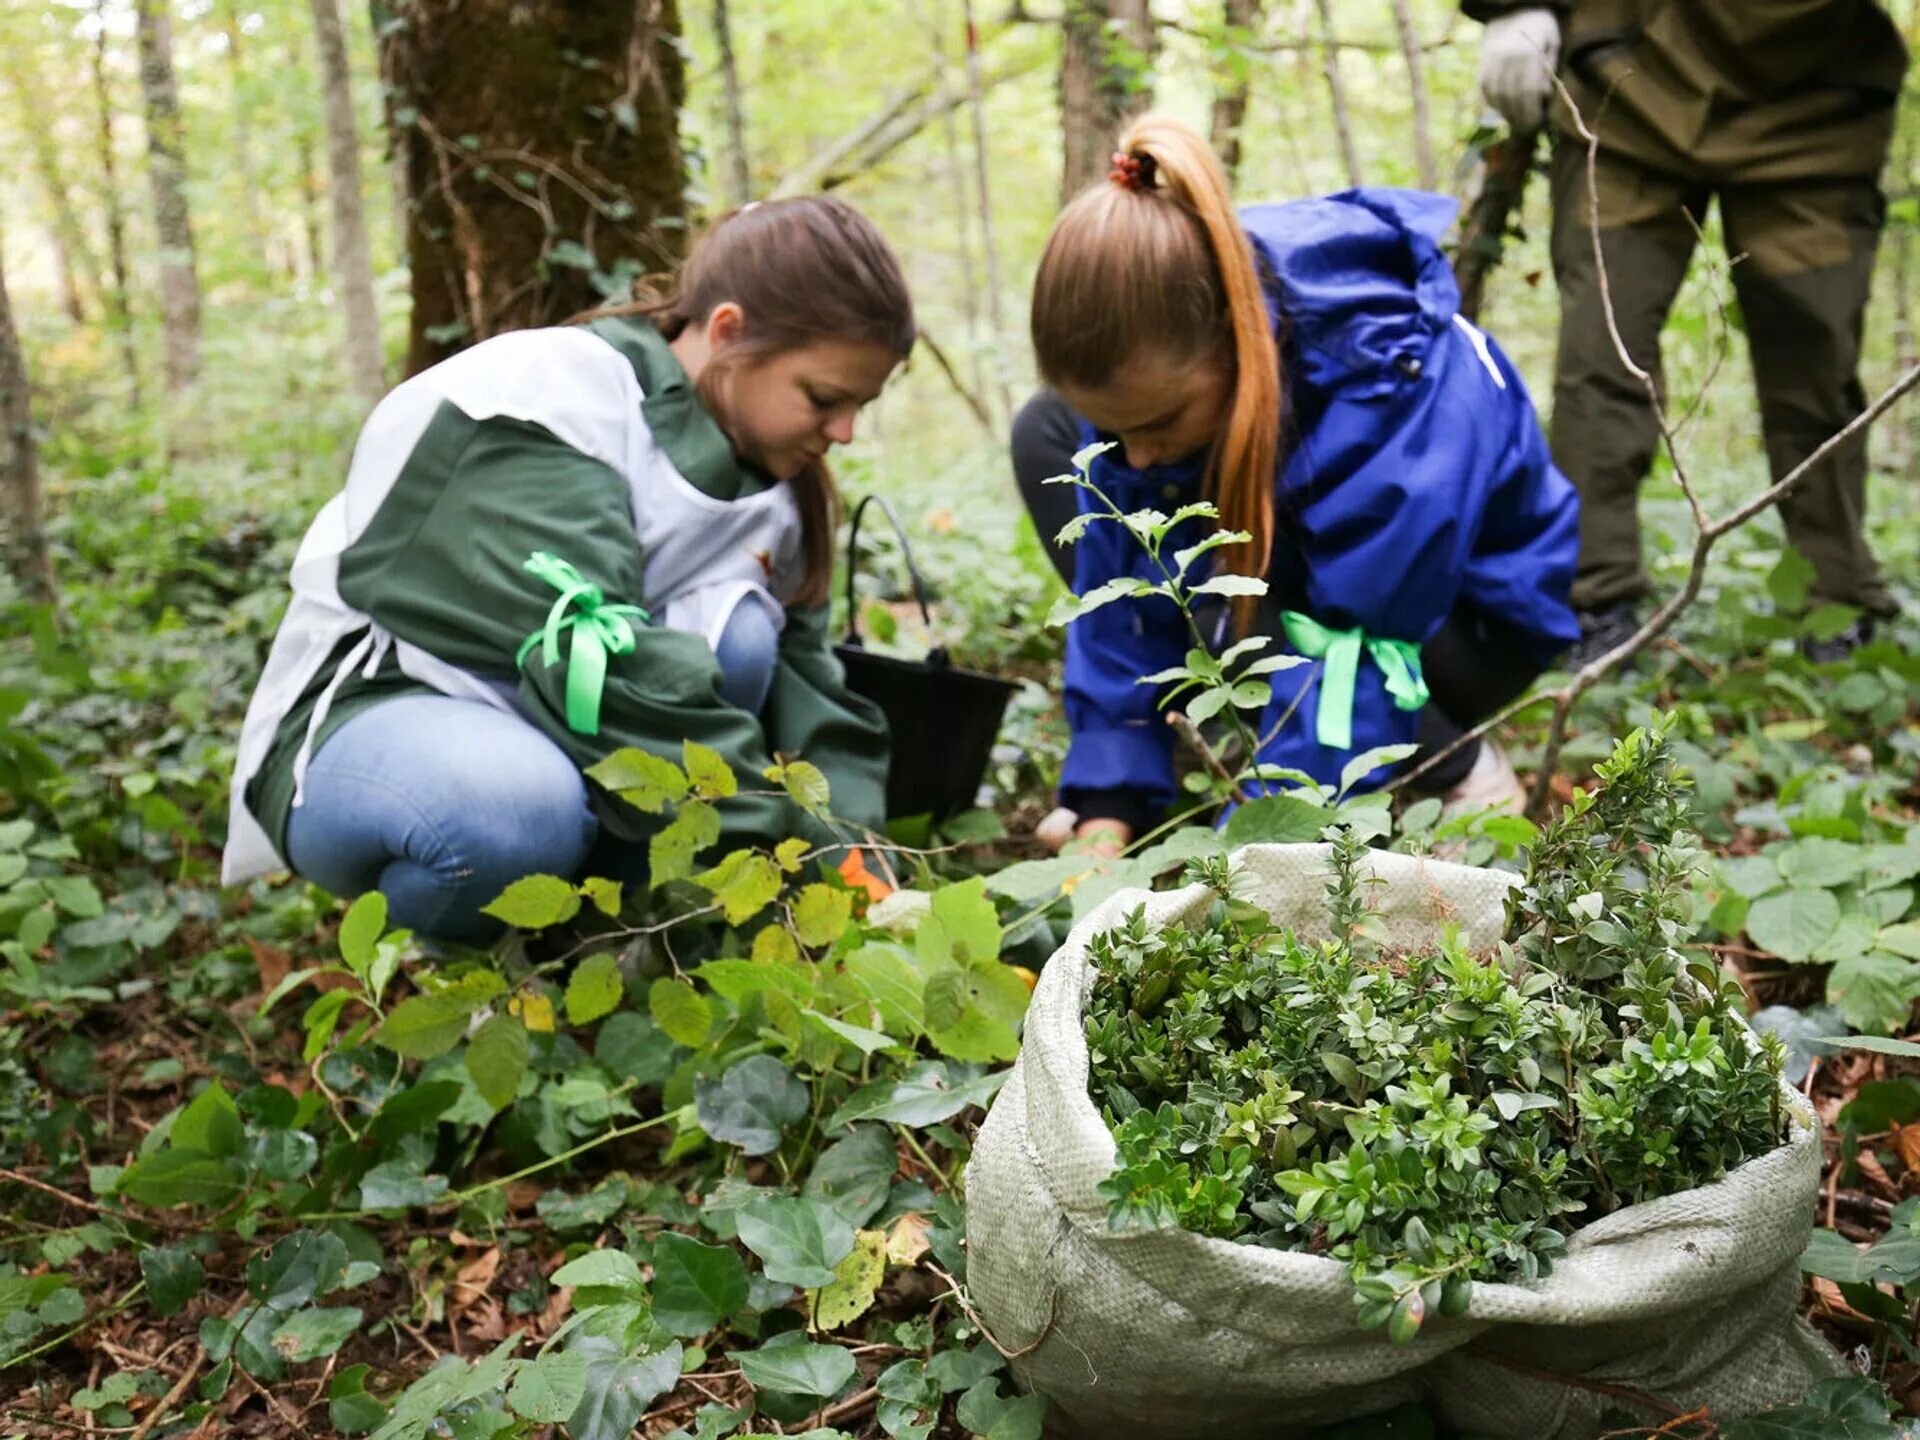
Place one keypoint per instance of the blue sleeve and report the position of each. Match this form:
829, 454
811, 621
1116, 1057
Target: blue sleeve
1120, 741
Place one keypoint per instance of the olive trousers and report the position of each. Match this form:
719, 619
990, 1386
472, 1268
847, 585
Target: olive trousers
1803, 254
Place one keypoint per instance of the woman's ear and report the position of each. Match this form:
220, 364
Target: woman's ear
726, 322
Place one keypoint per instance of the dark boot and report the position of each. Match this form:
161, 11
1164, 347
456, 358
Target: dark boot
1602, 630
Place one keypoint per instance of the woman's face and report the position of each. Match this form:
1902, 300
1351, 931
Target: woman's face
1160, 409
787, 409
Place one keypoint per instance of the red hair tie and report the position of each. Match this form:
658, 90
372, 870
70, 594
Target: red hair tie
1131, 172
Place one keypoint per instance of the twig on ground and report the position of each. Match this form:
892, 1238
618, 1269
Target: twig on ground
954, 1289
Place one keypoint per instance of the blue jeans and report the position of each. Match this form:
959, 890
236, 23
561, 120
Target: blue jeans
442, 803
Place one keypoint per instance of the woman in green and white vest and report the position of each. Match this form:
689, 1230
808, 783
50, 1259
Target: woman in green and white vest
568, 540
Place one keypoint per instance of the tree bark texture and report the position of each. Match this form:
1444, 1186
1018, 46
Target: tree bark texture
1106, 78
167, 171
79, 267
739, 174
1337, 91
119, 308
26, 538
542, 145
352, 256
1233, 87
1417, 83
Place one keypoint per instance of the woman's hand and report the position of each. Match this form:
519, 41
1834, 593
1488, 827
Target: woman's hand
1102, 837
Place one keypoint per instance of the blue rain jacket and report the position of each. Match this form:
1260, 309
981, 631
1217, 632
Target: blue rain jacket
1414, 478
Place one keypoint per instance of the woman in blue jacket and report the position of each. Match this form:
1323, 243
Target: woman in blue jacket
1304, 366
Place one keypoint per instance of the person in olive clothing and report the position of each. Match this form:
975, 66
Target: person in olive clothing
1781, 110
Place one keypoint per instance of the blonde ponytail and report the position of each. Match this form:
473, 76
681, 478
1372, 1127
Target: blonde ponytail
1155, 258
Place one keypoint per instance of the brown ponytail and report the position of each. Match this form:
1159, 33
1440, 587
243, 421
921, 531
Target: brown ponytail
1155, 259
801, 270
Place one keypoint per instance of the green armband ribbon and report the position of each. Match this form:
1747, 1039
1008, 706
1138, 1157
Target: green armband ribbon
1399, 661
599, 630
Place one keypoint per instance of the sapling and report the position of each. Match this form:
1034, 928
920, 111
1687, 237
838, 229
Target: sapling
1435, 1115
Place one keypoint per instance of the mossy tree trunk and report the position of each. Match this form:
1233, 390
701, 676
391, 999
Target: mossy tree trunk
1106, 77
541, 145
167, 171
24, 536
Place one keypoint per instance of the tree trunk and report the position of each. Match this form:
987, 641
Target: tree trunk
1233, 87
352, 257
26, 537
167, 170
119, 310
542, 146
1106, 78
739, 175
79, 268
310, 222
1417, 80
244, 168
1336, 91
976, 88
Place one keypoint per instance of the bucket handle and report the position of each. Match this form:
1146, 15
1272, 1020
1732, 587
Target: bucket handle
935, 656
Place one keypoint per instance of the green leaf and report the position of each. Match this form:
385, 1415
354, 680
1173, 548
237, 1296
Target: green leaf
695, 1286
619, 1388
210, 1124
316, 1333
854, 1174
986, 1413
497, 1058
1878, 1044
744, 883
594, 989
680, 1010
792, 1365
856, 1280
963, 929
1276, 820
799, 1241
423, 1026
603, 894
1846, 1409
351, 1409
952, 1370
1902, 939
928, 1095
399, 1185
534, 902
1068, 608
645, 781
1874, 991
360, 930
806, 785
752, 1105
76, 895
1790, 580
303, 1265
1230, 585
549, 1388
1750, 875
1793, 923
633, 1047
602, 1270
670, 853
821, 914
181, 1177
1368, 761
712, 777
174, 1276
1821, 863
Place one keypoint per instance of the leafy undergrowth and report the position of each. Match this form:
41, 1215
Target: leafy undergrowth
689, 1159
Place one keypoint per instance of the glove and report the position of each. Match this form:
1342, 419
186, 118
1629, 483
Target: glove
1518, 55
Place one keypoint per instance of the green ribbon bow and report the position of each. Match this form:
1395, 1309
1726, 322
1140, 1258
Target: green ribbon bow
599, 630
1399, 661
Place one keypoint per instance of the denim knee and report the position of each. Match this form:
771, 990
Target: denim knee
748, 650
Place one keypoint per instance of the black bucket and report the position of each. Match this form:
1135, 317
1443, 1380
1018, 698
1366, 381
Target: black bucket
942, 719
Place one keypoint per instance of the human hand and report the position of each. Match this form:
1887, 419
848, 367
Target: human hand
1101, 837
1518, 55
